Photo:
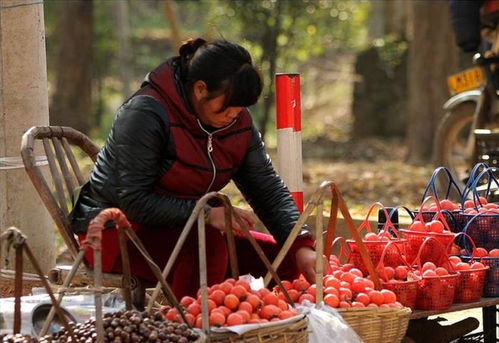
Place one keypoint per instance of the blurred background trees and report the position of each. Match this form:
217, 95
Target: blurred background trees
368, 68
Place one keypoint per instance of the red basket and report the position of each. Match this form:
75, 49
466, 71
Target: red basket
406, 291
436, 292
375, 248
471, 282
415, 239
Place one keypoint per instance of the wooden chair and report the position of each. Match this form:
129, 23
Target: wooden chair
57, 191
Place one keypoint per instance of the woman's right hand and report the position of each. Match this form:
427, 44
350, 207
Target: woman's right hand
216, 218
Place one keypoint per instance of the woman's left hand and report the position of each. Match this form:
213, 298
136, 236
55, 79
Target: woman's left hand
305, 261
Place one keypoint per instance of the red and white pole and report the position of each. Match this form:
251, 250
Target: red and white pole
289, 150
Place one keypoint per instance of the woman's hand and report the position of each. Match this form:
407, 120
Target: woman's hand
305, 262
216, 218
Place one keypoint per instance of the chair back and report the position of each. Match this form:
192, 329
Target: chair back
65, 173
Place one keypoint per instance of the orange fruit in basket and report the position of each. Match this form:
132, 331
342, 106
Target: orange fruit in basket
388, 296
429, 272
331, 281
306, 296
231, 301
428, 266
286, 314
435, 226
194, 309
218, 297
455, 259
417, 226
234, 319
300, 284
217, 318
401, 272
363, 298
481, 252
357, 304
494, 253
331, 290
282, 305
469, 204
270, 311
256, 302
348, 277
245, 306
186, 301
441, 271
332, 300
245, 284
345, 293
376, 297
246, 316
345, 304
226, 287
270, 299
477, 265
239, 291
462, 266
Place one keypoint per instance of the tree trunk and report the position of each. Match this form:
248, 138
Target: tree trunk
432, 57
124, 52
269, 45
172, 20
72, 101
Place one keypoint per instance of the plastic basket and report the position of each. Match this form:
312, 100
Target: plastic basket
453, 218
406, 291
491, 283
483, 229
471, 282
375, 248
436, 292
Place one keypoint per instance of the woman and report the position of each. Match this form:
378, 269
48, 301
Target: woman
187, 132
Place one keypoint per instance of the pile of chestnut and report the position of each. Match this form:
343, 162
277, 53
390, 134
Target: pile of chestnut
119, 327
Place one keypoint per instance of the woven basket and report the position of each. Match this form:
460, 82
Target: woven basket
7, 283
295, 332
375, 325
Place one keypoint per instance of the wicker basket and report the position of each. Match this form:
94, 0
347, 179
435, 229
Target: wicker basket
375, 325
295, 332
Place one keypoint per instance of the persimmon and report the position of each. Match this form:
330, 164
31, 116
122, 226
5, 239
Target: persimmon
481, 252
245, 306
217, 318
388, 296
401, 272
428, 266
363, 298
246, 315
441, 271
331, 281
231, 301
331, 300
345, 304
226, 287
417, 226
186, 301
194, 308
217, 296
300, 284
286, 314
270, 311
357, 304
306, 296
376, 297
234, 319
494, 253
283, 305
243, 284
270, 299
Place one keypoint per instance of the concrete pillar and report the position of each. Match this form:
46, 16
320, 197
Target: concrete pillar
23, 103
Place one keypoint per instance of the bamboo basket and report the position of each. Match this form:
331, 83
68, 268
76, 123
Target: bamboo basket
295, 332
290, 331
376, 325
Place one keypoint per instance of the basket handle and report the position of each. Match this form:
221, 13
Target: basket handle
381, 263
388, 223
438, 215
343, 248
463, 236
472, 189
441, 247
473, 174
433, 181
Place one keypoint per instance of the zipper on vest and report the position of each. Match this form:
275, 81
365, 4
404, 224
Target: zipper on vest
209, 149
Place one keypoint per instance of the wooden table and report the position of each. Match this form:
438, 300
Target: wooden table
489, 313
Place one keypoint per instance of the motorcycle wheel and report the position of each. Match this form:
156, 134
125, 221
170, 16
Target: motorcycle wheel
451, 140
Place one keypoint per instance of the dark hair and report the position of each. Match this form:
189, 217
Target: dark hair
226, 68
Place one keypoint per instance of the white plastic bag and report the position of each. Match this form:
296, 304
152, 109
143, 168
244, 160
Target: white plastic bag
326, 325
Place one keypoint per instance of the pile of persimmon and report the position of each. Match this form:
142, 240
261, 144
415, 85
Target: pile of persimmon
434, 226
484, 207
346, 287
234, 303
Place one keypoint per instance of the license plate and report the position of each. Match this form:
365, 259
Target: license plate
472, 78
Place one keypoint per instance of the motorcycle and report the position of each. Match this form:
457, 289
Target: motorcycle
472, 116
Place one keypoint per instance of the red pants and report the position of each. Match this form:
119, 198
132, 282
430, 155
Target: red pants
184, 276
